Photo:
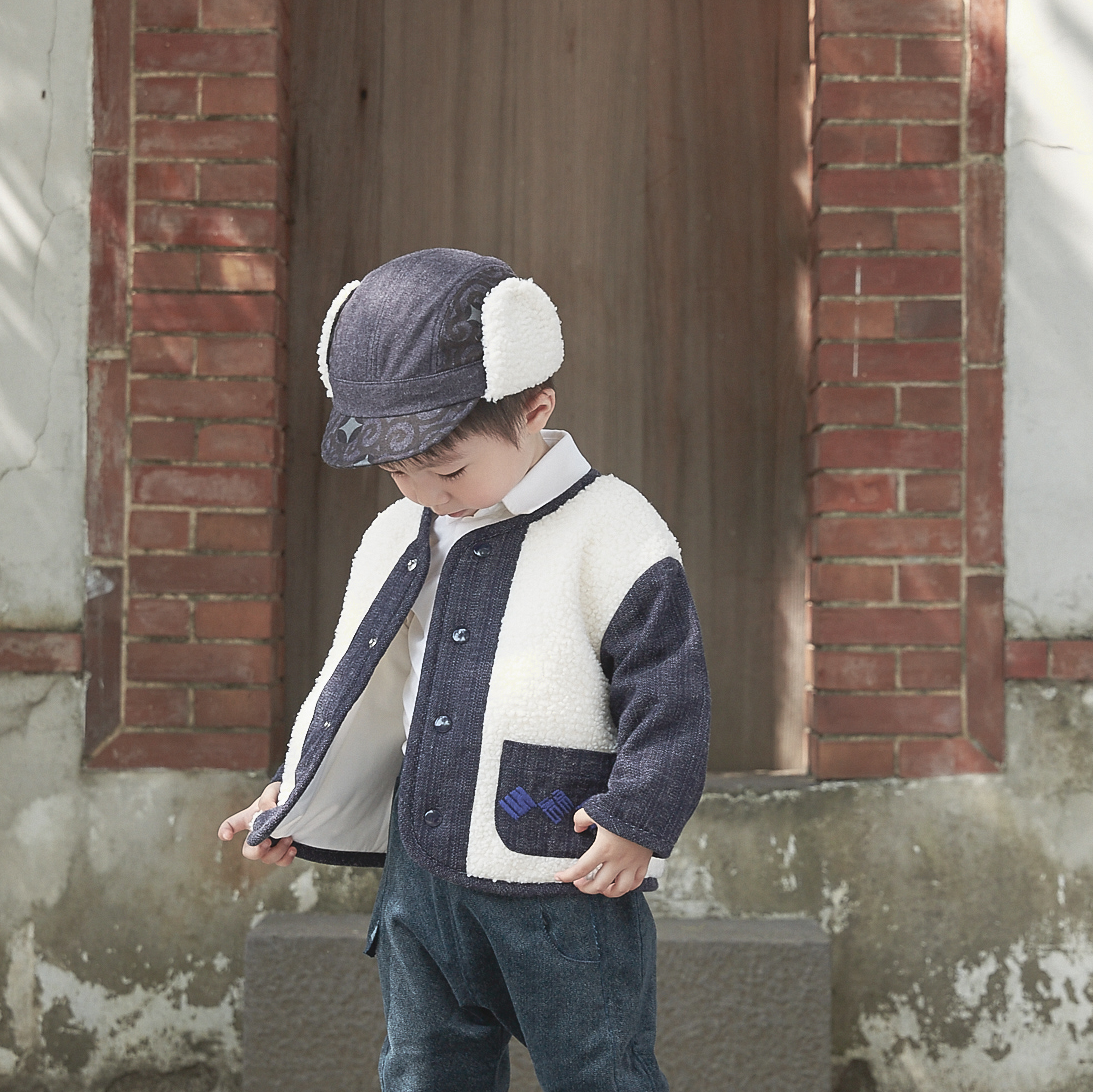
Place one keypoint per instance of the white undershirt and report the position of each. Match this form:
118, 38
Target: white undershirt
554, 473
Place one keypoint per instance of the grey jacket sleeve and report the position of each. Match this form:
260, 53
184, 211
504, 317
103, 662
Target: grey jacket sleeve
660, 700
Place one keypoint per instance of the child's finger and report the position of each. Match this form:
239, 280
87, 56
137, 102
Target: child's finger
233, 825
596, 881
284, 853
582, 867
258, 852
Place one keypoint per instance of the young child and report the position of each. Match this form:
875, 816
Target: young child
514, 713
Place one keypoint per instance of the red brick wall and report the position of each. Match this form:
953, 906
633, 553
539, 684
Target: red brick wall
182, 636
906, 490
185, 425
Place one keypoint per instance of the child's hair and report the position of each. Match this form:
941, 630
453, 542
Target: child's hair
502, 419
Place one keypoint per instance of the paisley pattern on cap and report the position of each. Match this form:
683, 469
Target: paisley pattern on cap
462, 331
369, 441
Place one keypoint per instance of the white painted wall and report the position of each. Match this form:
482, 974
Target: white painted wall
45, 140
1049, 319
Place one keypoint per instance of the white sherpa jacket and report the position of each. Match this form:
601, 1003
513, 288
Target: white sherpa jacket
563, 669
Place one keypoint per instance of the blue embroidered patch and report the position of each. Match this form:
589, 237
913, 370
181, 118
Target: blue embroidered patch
518, 802
556, 807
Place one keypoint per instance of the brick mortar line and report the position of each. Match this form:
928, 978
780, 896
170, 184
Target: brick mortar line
875, 341
883, 77
901, 297
892, 36
226, 161
884, 384
201, 119
258, 206
885, 253
917, 692
208, 597
859, 123
945, 210
257, 292
234, 32
888, 165
833, 427
204, 73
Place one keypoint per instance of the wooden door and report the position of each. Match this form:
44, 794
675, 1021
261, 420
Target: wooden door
646, 162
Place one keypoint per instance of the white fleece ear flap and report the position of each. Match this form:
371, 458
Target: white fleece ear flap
328, 329
521, 338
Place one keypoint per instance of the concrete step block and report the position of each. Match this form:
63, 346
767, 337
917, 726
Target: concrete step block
743, 1006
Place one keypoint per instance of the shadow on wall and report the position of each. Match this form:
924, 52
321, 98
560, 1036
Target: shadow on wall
855, 1076
1049, 321
30, 201
44, 276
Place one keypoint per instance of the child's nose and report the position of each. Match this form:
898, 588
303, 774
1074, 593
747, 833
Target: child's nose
435, 497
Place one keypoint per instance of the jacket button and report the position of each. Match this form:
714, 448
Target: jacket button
411, 564
371, 642
459, 635
482, 550
432, 818
443, 724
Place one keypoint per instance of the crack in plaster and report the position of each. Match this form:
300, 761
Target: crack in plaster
1044, 144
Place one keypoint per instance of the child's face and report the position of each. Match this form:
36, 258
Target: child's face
479, 471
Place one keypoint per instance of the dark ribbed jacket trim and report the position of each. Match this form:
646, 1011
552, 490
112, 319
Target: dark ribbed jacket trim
339, 856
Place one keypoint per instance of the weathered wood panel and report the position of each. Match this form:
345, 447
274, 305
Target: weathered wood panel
628, 156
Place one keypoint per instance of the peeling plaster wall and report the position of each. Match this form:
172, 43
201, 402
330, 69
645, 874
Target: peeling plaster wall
960, 909
122, 918
1049, 319
45, 170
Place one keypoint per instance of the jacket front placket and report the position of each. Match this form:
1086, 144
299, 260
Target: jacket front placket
440, 772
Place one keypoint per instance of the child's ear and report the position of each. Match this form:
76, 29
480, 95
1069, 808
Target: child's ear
539, 409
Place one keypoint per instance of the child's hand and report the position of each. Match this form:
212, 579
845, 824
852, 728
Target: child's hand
282, 853
612, 867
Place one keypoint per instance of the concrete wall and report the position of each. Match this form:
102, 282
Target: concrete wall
1049, 319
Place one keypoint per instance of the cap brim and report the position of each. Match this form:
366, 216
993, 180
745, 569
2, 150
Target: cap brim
351, 441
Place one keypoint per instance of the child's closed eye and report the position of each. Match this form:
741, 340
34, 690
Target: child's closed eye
455, 474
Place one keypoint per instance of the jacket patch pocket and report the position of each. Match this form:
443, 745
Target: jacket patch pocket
539, 789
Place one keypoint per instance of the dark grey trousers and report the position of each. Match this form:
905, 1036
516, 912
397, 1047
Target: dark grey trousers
572, 976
